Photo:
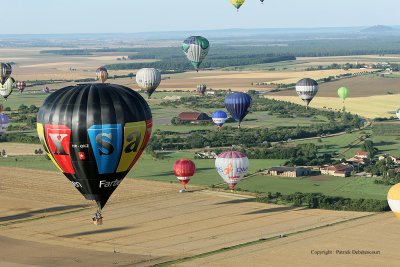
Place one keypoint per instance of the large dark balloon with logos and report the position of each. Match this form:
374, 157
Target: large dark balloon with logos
94, 134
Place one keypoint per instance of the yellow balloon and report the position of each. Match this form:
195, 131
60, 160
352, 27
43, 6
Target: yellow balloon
237, 3
393, 198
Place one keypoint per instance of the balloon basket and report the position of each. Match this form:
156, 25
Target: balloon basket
98, 221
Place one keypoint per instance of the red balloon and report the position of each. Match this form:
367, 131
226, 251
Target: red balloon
184, 169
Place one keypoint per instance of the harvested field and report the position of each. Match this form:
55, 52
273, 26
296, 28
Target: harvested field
145, 222
19, 149
379, 233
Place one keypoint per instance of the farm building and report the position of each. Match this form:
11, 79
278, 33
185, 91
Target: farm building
386, 156
361, 155
289, 171
193, 116
339, 170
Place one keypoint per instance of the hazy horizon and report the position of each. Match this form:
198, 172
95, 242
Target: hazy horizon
124, 16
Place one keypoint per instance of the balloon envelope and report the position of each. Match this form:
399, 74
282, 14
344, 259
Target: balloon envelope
102, 74
196, 49
219, 117
7, 87
21, 86
238, 105
1, 108
343, 93
148, 79
398, 113
306, 89
232, 166
201, 88
5, 72
237, 3
4, 123
184, 170
393, 199
94, 134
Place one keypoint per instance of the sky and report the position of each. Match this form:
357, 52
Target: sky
131, 16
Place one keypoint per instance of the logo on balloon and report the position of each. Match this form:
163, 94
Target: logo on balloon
58, 138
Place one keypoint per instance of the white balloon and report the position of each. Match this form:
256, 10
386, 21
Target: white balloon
148, 79
232, 166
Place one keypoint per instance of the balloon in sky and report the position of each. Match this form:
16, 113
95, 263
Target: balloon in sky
398, 113
262, 1
196, 49
7, 87
4, 122
219, 117
343, 93
306, 89
184, 170
102, 74
232, 166
94, 134
238, 105
5, 72
237, 3
393, 199
148, 79
21, 86
201, 89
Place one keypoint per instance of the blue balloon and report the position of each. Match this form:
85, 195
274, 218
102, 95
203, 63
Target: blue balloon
219, 117
238, 105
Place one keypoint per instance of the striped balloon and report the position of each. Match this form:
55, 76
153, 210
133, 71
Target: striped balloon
232, 166
196, 49
7, 87
201, 89
238, 105
4, 122
5, 72
393, 199
148, 79
21, 86
102, 74
306, 89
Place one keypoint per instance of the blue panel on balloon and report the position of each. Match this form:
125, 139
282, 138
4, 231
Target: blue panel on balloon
106, 141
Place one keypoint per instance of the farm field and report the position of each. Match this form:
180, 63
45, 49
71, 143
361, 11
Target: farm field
53, 215
303, 247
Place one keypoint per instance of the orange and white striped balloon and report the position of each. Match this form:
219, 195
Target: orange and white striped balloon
393, 199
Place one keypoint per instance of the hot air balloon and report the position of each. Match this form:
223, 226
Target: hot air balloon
262, 1
4, 122
102, 74
232, 166
306, 89
393, 199
94, 134
148, 79
343, 93
21, 86
5, 72
238, 105
201, 89
46, 90
196, 49
7, 87
184, 170
237, 3
398, 113
219, 117
1, 108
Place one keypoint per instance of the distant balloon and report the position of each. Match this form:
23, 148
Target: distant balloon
1, 108
237, 3
5, 72
196, 49
21, 86
4, 122
148, 79
262, 1
201, 89
232, 166
343, 93
184, 170
238, 105
102, 74
219, 117
46, 90
7, 87
94, 134
393, 199
398, 113
306, 89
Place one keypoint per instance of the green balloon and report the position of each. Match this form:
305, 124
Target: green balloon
343, 93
